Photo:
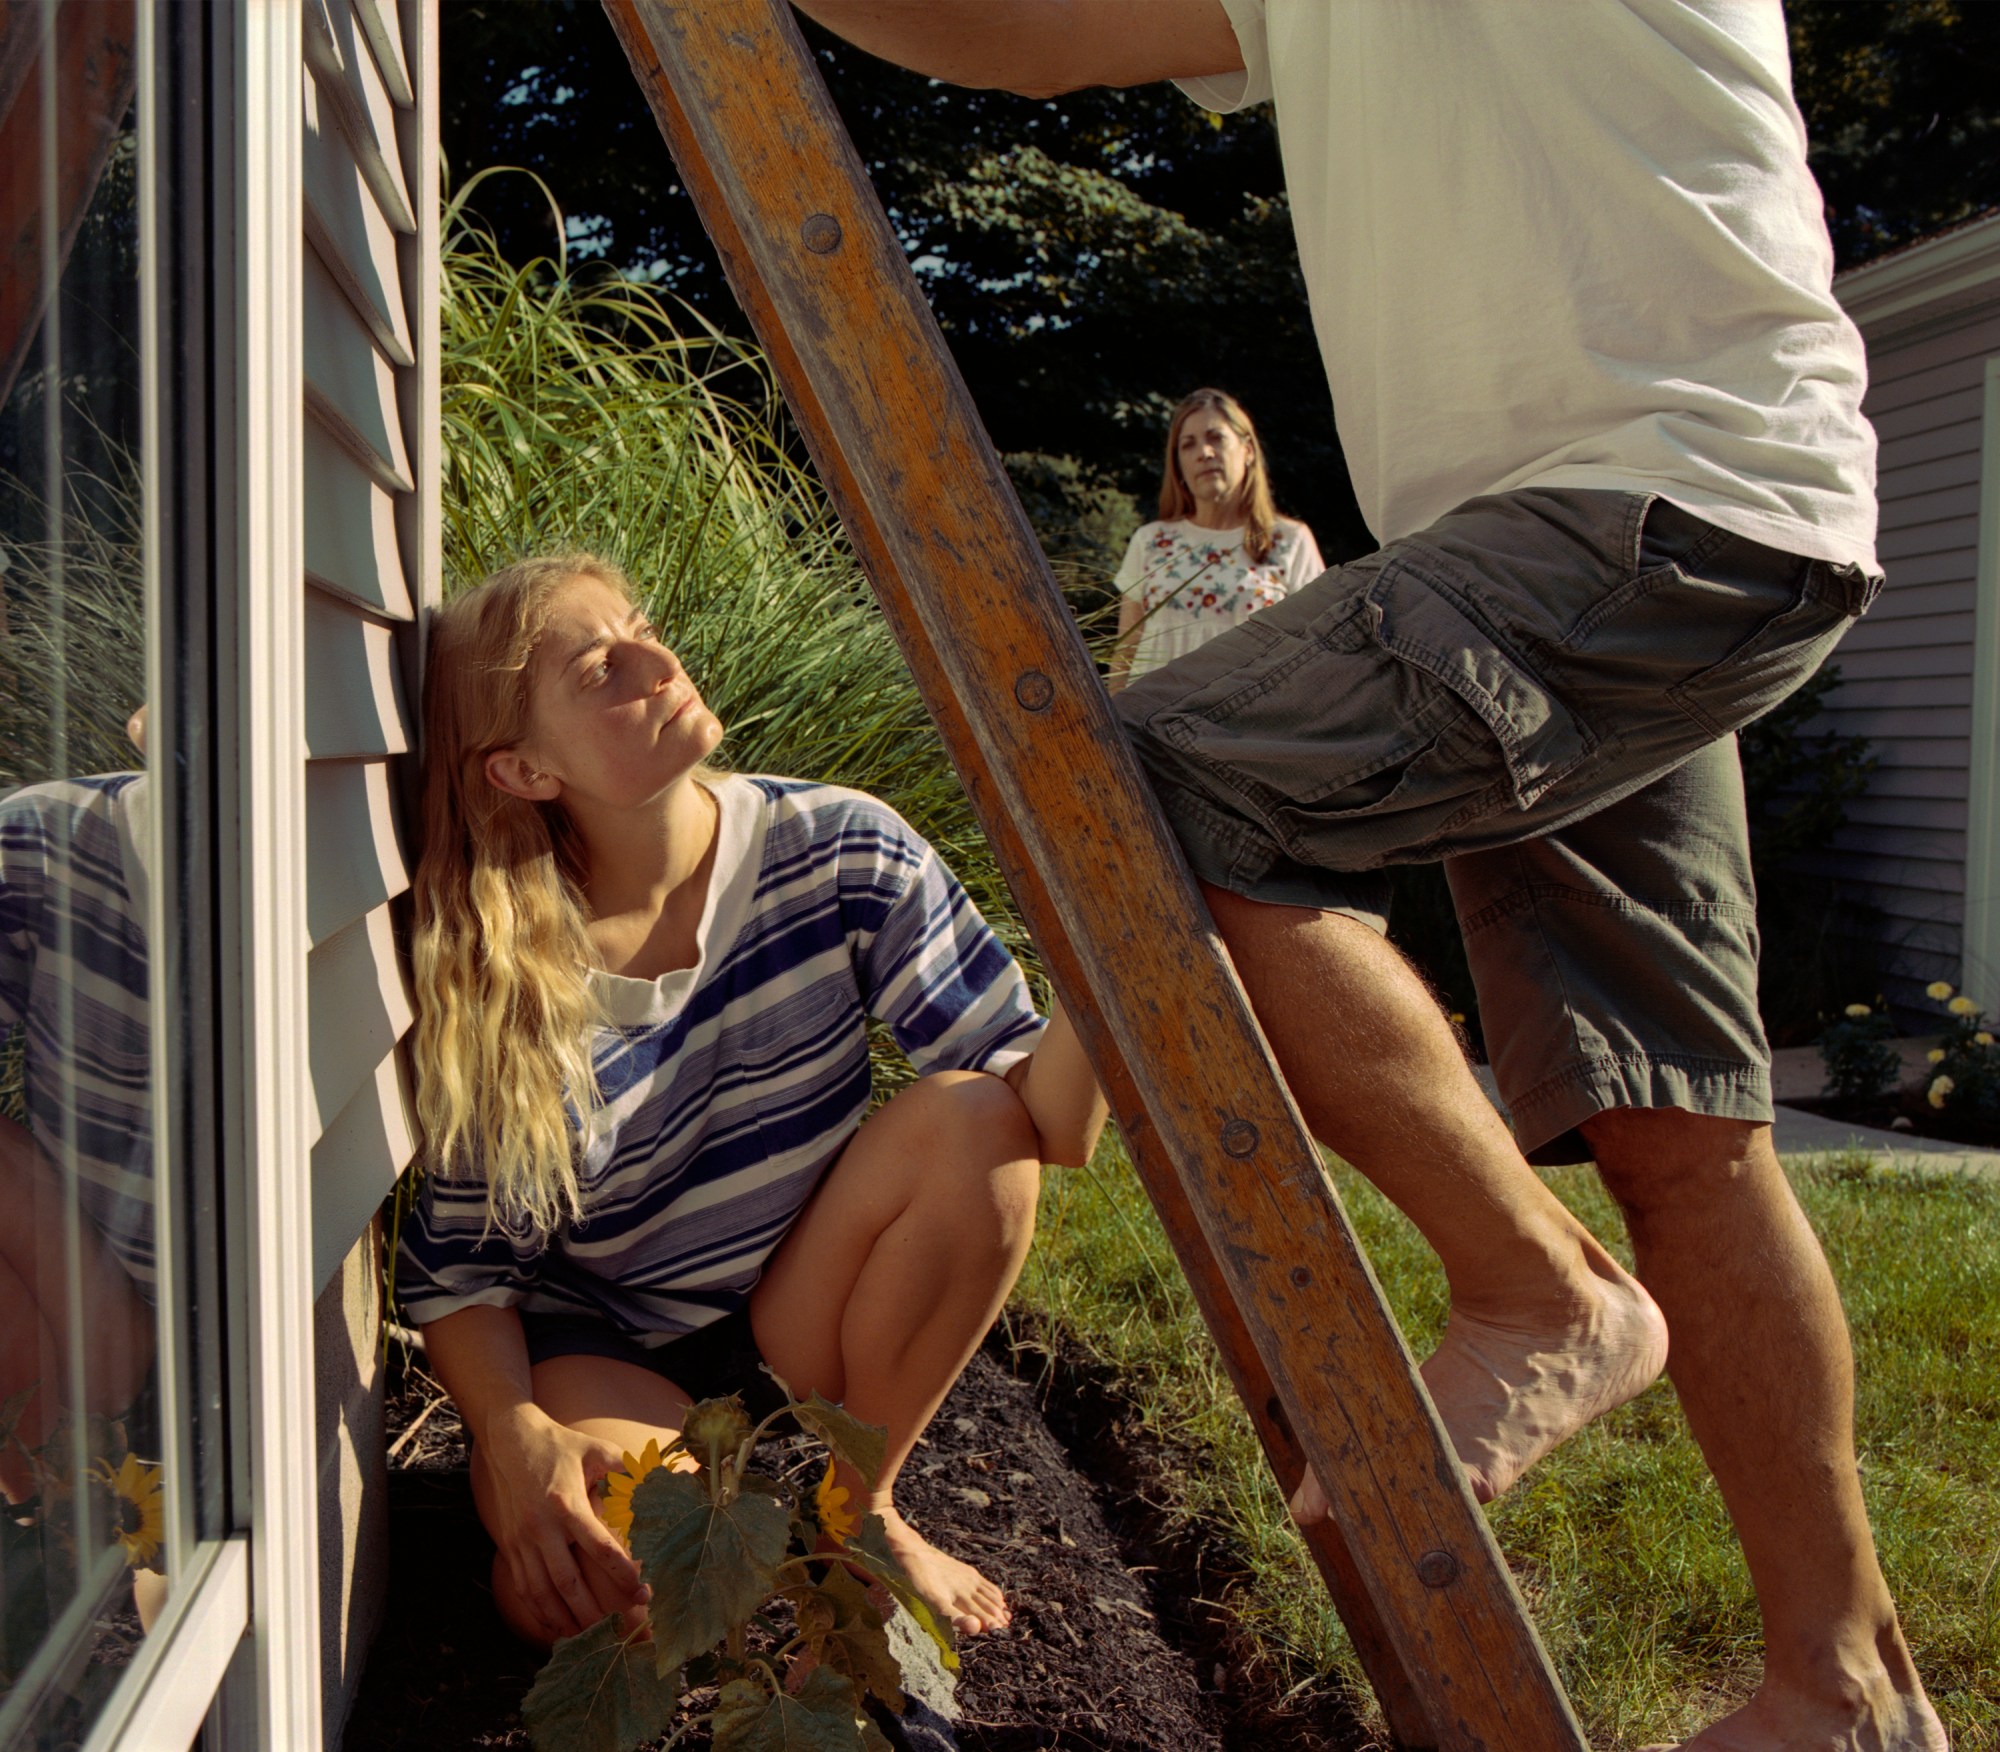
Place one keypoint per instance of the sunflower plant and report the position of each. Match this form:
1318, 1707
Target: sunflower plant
783, 1611
51, 1535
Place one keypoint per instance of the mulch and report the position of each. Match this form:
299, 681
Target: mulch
1906, 1110
1034, 1470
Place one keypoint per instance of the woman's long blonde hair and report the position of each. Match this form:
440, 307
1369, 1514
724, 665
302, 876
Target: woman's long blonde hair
1260, 514
501, 954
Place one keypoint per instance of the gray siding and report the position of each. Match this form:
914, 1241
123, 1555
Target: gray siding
370, 339
369, 312
1906, 669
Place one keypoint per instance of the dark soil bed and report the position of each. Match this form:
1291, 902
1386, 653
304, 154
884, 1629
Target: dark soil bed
1111, 1648
1906, 1110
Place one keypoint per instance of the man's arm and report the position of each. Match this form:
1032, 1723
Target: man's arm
1039, 48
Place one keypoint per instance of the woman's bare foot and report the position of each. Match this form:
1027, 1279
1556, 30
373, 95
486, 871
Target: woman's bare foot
956, 1590
1878, 1718
1510, 1393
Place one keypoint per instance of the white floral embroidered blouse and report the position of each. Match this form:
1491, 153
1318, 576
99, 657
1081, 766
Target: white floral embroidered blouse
1192, 583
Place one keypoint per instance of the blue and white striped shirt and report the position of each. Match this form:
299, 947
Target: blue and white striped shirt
730, 1087
73, 978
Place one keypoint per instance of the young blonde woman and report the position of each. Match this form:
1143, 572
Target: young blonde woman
1219, 551
643, 993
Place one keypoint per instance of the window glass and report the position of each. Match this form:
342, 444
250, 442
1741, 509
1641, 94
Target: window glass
85, 1470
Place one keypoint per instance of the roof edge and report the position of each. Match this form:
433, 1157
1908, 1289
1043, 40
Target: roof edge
1925, 279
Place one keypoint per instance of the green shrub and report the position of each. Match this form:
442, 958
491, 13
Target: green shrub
1084, 521
1860, 1063
1964, 1083
1817, 941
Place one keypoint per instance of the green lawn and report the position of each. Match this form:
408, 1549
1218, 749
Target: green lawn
1619, 1539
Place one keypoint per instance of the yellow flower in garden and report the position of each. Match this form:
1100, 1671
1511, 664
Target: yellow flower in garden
1962, 1007
1982, 1038
1935, 1055
1939, 989
836, 1519
140, 1505
1940, 1088
618, 1489
1857, 1009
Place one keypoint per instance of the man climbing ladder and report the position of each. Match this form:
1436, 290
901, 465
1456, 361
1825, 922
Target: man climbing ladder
1571, 283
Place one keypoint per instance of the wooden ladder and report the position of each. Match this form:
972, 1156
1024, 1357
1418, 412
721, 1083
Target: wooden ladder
1224, 1155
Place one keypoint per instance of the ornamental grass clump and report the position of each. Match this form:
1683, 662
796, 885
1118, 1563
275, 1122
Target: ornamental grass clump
585, 411
759, 1606
1861, 1064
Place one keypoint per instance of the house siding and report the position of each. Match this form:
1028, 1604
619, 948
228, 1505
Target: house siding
1907, 668
370, 340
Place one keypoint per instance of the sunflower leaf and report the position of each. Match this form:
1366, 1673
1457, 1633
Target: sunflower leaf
599, 1693
825, 1716
860, 1445
870, 1548
844, 1631
710, 1565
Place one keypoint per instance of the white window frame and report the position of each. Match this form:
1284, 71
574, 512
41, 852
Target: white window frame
238, 1647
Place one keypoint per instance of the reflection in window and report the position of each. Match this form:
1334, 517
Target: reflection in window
83, 1470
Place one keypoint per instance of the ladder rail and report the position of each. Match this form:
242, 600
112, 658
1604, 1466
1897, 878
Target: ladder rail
942, 537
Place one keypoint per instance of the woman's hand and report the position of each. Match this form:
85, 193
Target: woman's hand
568, 1567
532, 1477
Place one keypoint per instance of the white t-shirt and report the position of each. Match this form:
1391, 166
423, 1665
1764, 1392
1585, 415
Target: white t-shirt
1191, 583
1567, 243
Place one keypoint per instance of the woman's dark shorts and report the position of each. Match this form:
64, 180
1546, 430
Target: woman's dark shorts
711, 1362
1540, 691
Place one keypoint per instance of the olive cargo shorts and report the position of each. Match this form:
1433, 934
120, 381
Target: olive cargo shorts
1541, 691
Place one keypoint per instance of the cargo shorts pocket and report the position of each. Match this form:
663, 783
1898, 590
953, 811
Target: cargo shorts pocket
1791, 631
1424, 624
1388, 719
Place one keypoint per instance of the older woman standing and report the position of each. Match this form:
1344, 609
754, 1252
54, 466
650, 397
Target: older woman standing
1219, 551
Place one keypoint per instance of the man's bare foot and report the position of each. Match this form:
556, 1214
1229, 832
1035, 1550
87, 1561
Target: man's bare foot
1509, 1394
956, 1591
1883, 1720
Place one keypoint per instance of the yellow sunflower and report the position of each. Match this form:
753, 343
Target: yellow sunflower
618, 1489
139, 1501
836, 1519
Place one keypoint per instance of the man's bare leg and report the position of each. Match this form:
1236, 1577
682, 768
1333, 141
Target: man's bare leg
1546, 1330
1763, 1369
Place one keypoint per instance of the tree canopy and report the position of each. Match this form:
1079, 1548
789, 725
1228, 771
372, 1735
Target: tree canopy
1094, 256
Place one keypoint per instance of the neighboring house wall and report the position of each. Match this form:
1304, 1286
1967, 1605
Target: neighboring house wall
1931, 318
371, 566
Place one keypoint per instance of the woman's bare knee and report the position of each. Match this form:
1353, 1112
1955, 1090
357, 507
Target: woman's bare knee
985, 1152
966, 1112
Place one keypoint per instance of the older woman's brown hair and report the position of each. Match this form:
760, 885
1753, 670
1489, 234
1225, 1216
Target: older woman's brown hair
1253, 500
